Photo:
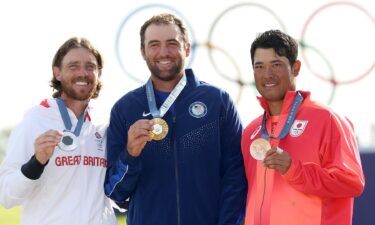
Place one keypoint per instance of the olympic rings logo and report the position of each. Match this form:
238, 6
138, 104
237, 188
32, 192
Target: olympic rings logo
125, 43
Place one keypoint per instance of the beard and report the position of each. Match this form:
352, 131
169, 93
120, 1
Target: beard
169, 75
81, 95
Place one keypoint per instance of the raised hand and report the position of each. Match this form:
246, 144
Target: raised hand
45, 145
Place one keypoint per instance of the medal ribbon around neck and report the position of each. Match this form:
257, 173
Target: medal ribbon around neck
289, 121
168, 102
160, 128
69, 140
260, 146
66, 119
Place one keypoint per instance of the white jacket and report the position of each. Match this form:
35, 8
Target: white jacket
70, 190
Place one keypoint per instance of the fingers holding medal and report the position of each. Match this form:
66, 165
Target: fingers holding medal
259, 148
159, 129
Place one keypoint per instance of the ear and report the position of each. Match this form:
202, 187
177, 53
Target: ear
187, 49
56, 72
296, 68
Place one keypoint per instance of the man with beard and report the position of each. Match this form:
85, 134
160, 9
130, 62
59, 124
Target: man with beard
56, 160
174, 143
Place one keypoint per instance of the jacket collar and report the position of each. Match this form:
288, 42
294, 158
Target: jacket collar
288, 101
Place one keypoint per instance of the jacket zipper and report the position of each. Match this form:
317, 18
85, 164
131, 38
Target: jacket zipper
176, 173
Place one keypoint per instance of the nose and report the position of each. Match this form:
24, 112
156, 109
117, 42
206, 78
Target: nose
268, 70
84, 71
163, 50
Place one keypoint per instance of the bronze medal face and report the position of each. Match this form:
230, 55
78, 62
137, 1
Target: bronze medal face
259, 148
160, 129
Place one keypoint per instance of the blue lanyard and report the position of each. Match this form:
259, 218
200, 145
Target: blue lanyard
159, 113
289, 121
66, 119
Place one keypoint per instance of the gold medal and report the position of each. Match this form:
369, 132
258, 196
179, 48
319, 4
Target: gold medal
159, 130
259, 148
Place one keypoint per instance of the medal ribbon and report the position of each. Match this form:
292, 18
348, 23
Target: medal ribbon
66, 119
168, 102
289, 121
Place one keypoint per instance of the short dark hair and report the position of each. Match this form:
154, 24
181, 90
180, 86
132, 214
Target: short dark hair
283, 44
164, 18
74, 42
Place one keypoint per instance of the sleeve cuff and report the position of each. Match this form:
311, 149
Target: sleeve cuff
33, 169
130, 160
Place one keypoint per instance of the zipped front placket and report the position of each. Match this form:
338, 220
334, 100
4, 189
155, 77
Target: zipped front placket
176, 172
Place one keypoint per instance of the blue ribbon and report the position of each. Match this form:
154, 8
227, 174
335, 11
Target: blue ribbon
66, 119
289, 121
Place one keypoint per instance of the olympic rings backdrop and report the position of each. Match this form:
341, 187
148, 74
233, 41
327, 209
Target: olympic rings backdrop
336, 40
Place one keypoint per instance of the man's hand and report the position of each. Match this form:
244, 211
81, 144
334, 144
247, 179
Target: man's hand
138, 136
45, 145
278, 160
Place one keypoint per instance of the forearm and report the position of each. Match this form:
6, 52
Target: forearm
122, 177
330, 182
14, 185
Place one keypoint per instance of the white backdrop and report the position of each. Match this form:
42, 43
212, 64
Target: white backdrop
340, 40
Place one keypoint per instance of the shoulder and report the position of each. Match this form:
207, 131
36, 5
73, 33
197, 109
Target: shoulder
319, 110
325, 114
45, 110
194, 83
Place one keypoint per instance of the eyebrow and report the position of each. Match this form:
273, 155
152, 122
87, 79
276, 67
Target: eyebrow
72, 63
157, 41
152, 42
273, 61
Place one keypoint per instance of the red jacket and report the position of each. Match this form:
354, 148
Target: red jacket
325, 174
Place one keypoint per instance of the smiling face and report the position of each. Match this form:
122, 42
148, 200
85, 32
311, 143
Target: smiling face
165, 52
273, 75
79, 73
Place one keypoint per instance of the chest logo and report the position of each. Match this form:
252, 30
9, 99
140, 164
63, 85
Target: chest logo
198, 109
99, 141
144, 114
298, 128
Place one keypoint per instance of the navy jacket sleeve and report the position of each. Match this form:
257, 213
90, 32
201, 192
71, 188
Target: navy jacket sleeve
233, 193
122, 169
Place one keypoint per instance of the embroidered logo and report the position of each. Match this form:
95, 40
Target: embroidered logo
144, 114
298, 127
99, 141
198, 109
256, 131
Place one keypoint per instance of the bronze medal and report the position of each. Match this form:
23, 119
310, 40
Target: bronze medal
259, 148
159, 130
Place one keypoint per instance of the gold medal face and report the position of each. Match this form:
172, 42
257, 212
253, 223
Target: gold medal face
159, 130
259, 148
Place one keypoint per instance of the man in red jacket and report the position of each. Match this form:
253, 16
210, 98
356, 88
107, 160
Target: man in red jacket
301, 158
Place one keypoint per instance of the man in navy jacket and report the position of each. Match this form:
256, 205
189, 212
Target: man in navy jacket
174, 143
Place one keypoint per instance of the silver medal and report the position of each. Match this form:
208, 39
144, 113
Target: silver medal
68, 141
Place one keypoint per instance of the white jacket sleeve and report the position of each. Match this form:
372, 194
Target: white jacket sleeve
15, 188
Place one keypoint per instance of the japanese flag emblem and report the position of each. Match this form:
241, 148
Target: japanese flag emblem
298, 127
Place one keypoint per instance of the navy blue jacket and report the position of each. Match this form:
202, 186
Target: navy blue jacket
194, 176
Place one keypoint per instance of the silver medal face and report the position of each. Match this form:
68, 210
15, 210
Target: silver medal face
68, 141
